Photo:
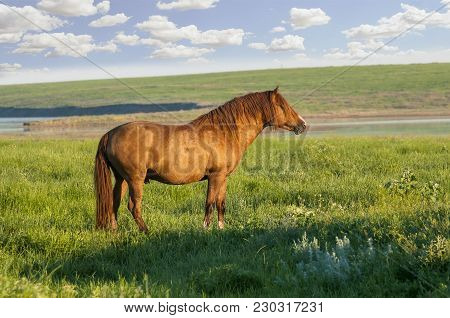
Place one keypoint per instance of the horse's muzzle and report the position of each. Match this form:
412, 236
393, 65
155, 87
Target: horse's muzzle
300, 128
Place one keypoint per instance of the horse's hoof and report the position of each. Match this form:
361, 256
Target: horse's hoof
205, 225
221, 225
113, 227
144, 230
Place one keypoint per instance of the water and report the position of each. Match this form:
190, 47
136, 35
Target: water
383, 126
16, 124
362, 127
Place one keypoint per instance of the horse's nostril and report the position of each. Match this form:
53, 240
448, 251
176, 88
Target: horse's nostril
304, 125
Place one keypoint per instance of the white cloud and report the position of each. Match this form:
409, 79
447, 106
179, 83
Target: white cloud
258, 46
61, 44
103, 7
286, 43
160, 27
105, 47
369, 38
187, 4
154, 42
410, 17
278, 29
339, 54
371, 45
74, 8
10, 37
109, 20
396, 57
358, 50
305, 18
7, 68
164, 30
134, 39
218, 37
122, 38
13, 25
180, 51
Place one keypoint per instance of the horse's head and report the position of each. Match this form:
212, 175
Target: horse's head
285, 117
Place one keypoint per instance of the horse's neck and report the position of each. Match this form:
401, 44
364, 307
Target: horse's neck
248, 132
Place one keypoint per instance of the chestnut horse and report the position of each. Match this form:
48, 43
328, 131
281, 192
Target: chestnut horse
208, 148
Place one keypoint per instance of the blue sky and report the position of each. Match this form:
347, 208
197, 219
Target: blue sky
147, 38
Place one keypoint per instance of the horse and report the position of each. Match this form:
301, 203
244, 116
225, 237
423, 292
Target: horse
208, 148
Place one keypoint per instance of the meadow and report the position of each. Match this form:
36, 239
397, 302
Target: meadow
306, 217
315, 216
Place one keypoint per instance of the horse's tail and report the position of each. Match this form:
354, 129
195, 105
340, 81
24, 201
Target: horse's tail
103, 188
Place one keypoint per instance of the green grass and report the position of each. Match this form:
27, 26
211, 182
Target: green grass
287, 204
365, 88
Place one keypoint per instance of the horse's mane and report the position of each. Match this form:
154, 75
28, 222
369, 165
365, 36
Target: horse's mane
238, 110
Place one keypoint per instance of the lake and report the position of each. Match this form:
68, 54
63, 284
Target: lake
338, 126
16, 124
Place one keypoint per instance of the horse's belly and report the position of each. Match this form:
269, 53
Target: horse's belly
174, 178
181, 164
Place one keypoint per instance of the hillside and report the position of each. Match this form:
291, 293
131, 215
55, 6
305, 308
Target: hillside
387, 88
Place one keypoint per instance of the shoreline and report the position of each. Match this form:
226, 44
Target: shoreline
184, 117
355, 123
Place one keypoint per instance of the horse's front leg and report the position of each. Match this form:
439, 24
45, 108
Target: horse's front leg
209, 205
215, 195
220, 204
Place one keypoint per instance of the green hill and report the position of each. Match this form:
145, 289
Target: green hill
400, 88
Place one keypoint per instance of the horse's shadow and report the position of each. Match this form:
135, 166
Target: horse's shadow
239, 261
188, 263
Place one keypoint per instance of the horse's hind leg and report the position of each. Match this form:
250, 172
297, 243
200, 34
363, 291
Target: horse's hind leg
119, 190
136, 189
130, 205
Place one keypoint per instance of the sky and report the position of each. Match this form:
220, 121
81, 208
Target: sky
60, 40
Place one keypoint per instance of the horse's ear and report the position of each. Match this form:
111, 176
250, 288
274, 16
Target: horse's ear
275, 91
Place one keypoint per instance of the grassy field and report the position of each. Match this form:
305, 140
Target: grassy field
328, 217
389, 88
